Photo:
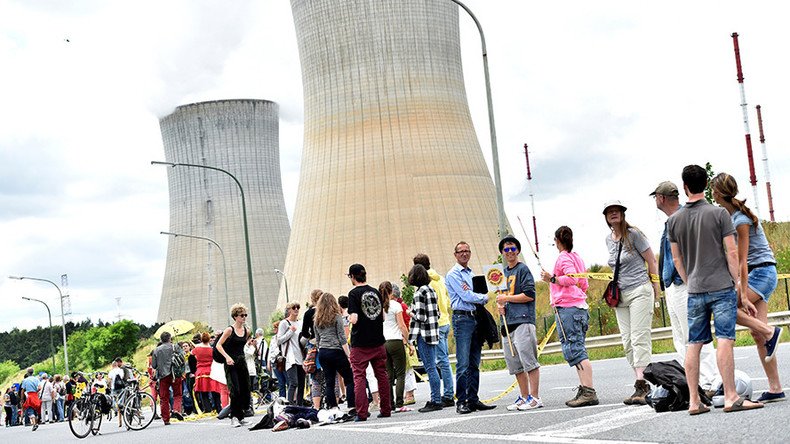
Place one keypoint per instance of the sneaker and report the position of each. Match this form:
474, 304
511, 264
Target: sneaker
177, 415
35, 426
767, 396
533, 403
516, 406
234, 422
448, 402
770, 346
430, 407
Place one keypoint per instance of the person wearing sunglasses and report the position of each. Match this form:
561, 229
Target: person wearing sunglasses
231, 345
517, 305
288, 341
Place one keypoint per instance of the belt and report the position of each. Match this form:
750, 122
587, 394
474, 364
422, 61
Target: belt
464, 312
760, 265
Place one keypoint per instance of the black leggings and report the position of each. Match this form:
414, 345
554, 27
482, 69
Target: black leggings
238, 386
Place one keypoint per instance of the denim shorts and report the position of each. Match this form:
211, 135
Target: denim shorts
762, 280
722, 304
572, 324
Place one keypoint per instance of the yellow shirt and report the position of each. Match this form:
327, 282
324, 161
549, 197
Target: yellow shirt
437, 283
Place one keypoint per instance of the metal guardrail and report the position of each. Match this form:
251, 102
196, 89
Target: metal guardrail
778, 318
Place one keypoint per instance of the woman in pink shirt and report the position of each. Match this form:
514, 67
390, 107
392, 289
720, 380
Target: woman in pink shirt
569, 300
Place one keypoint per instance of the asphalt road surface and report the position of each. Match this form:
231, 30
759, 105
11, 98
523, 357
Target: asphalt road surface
611, 421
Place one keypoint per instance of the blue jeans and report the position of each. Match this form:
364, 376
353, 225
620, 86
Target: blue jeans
467, 353
722, 305
443, 362
281, 381
59, 409
428, 356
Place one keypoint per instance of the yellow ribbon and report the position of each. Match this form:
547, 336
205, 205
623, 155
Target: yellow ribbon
603, 276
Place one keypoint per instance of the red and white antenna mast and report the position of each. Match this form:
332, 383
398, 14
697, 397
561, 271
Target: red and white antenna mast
765, 163
752, 176
531, 199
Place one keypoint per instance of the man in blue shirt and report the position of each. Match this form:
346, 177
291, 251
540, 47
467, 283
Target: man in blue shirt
32, 405
676, 293
468, 345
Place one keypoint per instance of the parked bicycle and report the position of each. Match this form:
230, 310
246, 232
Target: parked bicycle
85, 415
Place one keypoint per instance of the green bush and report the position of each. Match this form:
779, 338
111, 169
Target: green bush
8, 369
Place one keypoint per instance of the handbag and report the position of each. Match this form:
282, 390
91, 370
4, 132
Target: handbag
612, 293
310, 360
280, 359
215, 354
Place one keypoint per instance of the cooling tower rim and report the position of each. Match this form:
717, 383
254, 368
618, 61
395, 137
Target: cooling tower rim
209, 102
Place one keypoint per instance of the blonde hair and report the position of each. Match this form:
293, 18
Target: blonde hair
727, 187
326, 311
314, 295
237, 309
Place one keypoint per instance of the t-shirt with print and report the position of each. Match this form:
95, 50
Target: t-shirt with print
633, 271
519, 280
391, 328
365, 301
759, 250
699, 229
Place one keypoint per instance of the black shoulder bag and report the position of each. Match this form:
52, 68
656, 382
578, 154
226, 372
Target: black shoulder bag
612, 293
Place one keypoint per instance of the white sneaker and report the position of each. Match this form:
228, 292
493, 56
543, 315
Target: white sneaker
517, 405
234, 422
533, 403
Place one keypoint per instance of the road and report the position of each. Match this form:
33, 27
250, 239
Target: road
555, 423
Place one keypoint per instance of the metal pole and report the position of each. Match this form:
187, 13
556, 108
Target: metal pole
531, 199
494, 152
663, 313
600, 323
766, 171
253, 309
62, 317
787, 295
224, 264
744, 109
51, 342
285, 279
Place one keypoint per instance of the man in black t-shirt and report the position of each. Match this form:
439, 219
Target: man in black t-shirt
367, 341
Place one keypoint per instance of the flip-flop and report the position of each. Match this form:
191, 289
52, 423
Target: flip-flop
699, 410
739, 407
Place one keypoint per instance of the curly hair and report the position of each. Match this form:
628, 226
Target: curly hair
237, 309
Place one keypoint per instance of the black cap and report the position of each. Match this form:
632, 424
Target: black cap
509, 238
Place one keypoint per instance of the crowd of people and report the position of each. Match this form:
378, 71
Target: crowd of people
714, 261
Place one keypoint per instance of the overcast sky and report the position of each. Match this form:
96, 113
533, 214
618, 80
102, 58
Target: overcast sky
612, 98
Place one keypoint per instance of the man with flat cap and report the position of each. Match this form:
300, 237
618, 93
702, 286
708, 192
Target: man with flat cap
676, 292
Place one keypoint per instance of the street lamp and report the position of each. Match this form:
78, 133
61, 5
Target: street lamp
494, 152
246, 230
224, 264
276, 271
62, 318
51, 343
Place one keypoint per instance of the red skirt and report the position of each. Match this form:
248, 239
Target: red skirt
204, 383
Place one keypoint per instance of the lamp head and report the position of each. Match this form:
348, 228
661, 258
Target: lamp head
16, 277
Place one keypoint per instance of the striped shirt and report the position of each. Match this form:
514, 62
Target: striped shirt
425, 316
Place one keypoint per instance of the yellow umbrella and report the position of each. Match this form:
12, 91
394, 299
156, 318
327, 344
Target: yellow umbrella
175, 328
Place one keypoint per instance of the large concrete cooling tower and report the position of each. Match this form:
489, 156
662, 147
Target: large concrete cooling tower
391, 164
241, 137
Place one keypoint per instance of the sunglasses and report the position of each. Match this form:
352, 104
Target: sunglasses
243, 315
510, 249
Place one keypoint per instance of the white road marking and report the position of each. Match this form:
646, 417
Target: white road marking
599, 422
570, 387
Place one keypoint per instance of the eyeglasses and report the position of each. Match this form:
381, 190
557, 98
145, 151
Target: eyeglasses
243, 315
510, 249
463, 252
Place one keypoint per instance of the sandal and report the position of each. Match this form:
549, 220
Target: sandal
738, 406
699, 410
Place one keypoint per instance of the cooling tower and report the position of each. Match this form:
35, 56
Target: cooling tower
241, 137
391, 164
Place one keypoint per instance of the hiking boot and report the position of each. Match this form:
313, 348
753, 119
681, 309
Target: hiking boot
641, 389
584, 397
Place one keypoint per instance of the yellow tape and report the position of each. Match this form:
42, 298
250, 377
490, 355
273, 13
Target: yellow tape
541, 346
603, 276
783, 276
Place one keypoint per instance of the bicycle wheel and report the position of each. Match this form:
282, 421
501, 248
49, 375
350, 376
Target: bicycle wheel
80, 418
97, 416
139, 411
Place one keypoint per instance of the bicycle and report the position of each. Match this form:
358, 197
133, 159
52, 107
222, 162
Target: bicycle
136, 406
86, 412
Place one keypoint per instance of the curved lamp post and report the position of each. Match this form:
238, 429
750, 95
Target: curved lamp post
253, 309
62, 318
51, 343
224, 264
276, 271
494, 152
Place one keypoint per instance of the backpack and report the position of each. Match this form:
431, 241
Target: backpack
309, 363
177, 363
670, 377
